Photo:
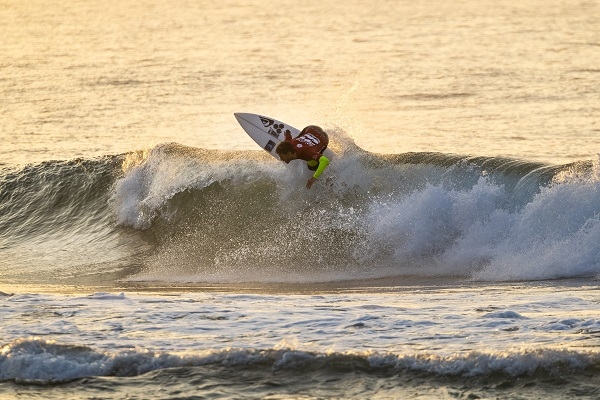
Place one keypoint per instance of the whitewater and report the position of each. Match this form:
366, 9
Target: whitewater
150, 250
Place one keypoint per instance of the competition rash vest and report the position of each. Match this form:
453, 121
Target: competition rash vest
309, 146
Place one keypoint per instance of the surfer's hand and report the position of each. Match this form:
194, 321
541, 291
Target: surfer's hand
287, 134
310, 182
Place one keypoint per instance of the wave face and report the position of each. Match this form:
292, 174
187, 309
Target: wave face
176, 213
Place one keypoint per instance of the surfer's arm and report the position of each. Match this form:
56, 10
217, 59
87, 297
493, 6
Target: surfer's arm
323, 163
287, 135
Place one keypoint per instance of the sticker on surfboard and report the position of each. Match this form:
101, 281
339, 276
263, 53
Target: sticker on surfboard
265, 131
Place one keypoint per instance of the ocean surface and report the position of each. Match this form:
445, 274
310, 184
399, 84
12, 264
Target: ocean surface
150, 250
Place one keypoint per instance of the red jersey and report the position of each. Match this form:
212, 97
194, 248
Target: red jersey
310, 143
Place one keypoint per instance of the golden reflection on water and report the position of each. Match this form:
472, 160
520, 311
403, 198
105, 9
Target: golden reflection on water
501, 78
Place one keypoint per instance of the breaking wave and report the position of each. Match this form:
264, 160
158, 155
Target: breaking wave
177, 213
41, 361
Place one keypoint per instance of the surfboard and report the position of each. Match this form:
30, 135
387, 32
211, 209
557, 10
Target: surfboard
267, 132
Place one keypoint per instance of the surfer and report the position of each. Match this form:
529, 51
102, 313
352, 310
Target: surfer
309, 146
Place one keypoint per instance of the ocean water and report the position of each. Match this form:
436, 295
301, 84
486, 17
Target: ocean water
150, 250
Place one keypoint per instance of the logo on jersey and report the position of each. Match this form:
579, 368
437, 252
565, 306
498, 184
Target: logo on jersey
267, 122
309, 139
270, 146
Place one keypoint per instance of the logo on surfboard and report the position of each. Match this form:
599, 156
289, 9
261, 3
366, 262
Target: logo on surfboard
270, 146
275, 131
267, 122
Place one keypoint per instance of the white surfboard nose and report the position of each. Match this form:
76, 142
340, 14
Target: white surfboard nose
243, 116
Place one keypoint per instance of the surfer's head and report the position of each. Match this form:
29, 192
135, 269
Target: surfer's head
286, 152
